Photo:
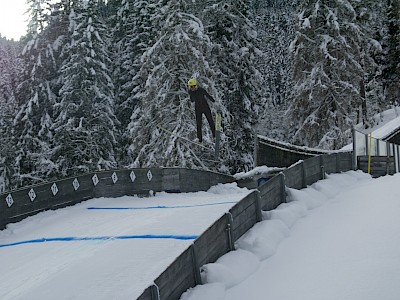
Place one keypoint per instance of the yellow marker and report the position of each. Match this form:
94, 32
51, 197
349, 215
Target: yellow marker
369, 153
218, 122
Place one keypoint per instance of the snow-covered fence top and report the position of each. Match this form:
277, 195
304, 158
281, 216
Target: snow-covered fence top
220, 237
273, 153
19, 204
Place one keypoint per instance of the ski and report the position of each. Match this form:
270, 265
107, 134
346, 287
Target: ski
218, 129
182, 138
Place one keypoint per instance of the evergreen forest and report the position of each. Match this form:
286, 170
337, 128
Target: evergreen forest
97, 85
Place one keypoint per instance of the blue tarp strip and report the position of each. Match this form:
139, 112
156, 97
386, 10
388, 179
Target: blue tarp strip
157, 207
100, 238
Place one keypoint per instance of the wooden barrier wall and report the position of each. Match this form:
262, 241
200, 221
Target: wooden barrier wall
379, 165
274, 153
221, 236
19, 204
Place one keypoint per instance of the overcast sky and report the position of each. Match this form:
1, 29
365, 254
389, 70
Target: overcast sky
13, 18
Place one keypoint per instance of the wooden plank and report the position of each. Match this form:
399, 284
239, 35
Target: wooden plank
171, 180
312, 170
275, 154
67, 195
180, 287
345, 161
243, 223
294, 176
379, 166
23, 206
271, 193
330, 163
146, 295
242, 205
177, 278
197, 180
213, 243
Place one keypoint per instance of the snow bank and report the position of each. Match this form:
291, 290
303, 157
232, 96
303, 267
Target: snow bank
211, 291
288, 213
227, 188
262, 241
231, 268
256, 171
311, 198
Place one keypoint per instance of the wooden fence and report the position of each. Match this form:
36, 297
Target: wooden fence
221, 236
19, 204
375, 156
273, 153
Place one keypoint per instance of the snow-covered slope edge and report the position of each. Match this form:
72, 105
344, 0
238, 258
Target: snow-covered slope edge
262, 241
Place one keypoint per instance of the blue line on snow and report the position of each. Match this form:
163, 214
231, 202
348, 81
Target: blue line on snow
101, 238
157, 207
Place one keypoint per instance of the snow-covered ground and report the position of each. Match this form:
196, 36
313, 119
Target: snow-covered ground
105, 248
337, 239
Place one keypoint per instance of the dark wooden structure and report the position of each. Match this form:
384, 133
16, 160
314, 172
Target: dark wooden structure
394, 137
379, 165
19, 204
273, 153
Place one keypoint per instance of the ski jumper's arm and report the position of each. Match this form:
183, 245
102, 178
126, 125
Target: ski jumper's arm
208, 96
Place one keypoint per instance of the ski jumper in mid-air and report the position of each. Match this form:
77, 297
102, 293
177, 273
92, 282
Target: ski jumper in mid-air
199, 96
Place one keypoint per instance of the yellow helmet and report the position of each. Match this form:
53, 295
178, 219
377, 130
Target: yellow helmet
192, 82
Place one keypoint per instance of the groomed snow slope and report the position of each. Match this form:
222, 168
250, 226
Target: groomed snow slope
105, 248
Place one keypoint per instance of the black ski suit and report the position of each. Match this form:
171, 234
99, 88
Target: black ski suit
198, 96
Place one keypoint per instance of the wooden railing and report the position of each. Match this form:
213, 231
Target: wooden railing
221, 236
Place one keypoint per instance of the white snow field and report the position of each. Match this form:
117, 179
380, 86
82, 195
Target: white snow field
105, 248
337, 239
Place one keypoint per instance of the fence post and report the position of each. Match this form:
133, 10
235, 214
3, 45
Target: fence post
378, 150
303, 175
354, 162
258, 206
398, 159
283, 188
196, 267
155, 292
229, 221
322, 166
387, 158
393, 152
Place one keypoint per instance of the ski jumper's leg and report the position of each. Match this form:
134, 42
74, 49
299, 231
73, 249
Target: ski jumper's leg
210, 120
199, 115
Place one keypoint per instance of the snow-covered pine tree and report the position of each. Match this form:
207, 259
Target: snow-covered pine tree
10, 68
85, 126
391, 71
136, 30
370, 18
37, 92
327, 74
275, 25
180, 53
239, 81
